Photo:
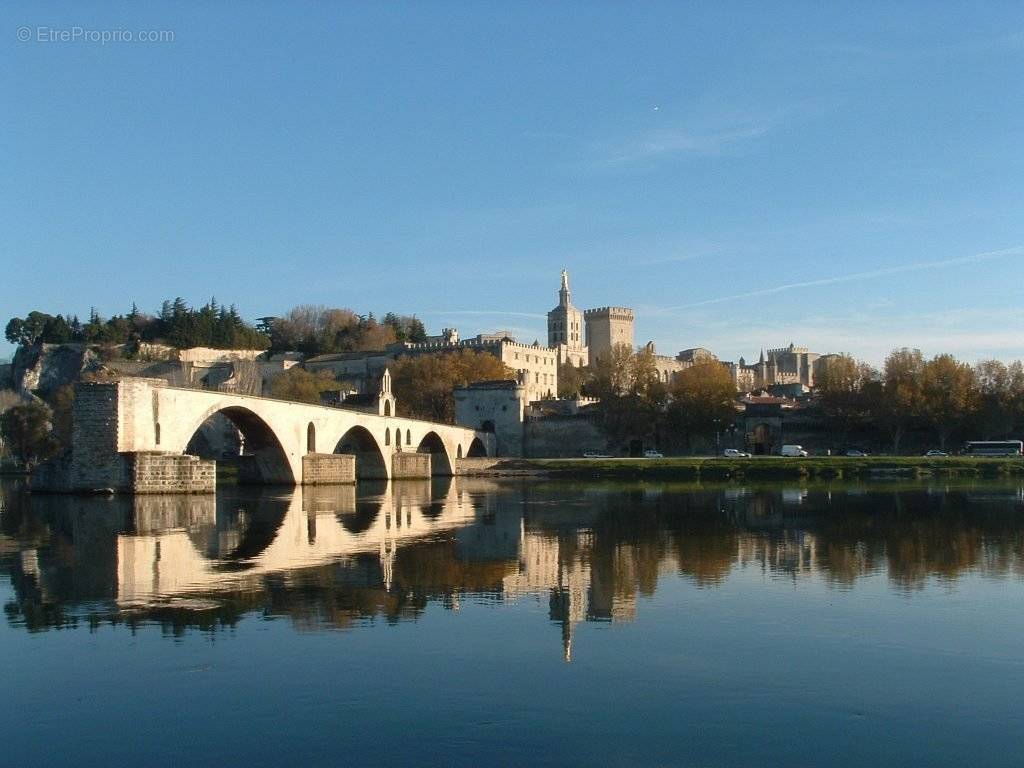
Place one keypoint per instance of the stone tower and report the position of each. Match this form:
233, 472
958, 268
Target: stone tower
565, 328
608, 327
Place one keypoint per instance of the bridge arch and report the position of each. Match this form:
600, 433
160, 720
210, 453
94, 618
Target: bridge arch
440, 460
370, 463
363, 517
477, 449
263, 458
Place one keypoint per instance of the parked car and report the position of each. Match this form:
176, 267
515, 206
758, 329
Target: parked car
650, 453
935, 452
793, 451
735, 453
857, 453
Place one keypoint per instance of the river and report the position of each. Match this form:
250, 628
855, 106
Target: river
476, 622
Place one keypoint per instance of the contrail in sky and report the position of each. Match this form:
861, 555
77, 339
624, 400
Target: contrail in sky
916, 266
485, 313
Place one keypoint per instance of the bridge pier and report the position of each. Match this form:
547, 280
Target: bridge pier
410, 466
328, 469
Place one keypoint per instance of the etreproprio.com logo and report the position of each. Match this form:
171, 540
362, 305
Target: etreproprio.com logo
76, 34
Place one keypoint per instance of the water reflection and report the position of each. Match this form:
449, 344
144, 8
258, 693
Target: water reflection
334, 557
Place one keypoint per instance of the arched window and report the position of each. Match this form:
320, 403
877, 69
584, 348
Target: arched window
459, 455
387, 407
387, 437
398, 437
311, 438
408, 437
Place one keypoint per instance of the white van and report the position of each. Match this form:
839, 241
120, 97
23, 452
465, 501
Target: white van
793, 451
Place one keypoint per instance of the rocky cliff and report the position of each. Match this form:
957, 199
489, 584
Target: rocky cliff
45, 368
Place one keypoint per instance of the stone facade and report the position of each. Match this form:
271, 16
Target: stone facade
606, 328
497, 407
786, 365
562, 437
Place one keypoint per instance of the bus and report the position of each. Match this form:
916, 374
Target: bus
994, 448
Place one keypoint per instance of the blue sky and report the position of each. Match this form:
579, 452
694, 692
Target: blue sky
743, 175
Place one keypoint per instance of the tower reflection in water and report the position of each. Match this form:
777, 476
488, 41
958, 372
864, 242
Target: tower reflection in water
333, 557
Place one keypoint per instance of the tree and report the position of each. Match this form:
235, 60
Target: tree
16, 333
949, 396
842, 387
27, 434
572, 380
423, 384
899, 405
1000, 398
612, 373
302, 386
246, 378
632, 395
703, 400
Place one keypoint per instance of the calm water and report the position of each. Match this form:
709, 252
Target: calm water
475, 623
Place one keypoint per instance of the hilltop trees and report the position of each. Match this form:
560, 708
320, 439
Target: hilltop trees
319, 330
310, 329
39, 326
211, 325
177, 324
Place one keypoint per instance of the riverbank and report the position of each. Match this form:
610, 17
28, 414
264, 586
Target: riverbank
767, 467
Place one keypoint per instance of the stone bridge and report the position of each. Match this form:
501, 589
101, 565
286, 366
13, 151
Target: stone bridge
133, 435
307, 528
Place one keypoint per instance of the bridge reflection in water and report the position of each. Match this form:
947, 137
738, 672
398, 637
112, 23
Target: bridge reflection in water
338, 555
